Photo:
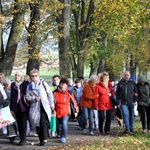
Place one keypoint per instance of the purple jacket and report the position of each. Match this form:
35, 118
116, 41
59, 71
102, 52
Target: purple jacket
14, 97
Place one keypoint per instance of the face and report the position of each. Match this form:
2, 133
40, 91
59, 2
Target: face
56, 81
78, 84
18, 76
70, 82
126, 76
105, 78
7, 85
63, 86
1, 79
35, 77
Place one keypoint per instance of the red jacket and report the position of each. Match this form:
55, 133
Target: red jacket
63, 102
103, 101
88, 95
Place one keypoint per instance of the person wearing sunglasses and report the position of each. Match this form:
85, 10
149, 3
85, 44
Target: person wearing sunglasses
17, 104
41, 98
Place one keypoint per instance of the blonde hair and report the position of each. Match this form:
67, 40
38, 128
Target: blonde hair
103, 74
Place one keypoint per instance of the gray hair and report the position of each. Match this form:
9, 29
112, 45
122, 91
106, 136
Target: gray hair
93, 78
21, 74
6, 80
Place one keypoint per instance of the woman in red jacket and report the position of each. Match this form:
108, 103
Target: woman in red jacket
87, 101
64, 100
103, 103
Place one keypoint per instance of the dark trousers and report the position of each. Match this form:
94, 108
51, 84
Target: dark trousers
144, 112
21, 118
42, 130
101, 116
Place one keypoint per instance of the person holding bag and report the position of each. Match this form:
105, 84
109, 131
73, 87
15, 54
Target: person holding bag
41, 98
64, 102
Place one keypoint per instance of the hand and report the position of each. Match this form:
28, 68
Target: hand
109, 94
135, 94
75, 114
118, 106
52, 108
37, 99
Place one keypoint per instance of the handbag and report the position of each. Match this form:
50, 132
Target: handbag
6, 117
53, 121
52, 124
113, 101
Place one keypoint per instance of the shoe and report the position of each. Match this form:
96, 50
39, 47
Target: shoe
96, 129
84, 131
21, 143
63, 140
107, 132
144, 131
11, 139
42, 143
36, 134
91, 133
101, 131
126, 132
148, 131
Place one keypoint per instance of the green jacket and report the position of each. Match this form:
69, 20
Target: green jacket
143, 91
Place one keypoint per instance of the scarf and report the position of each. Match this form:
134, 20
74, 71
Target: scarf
18, 87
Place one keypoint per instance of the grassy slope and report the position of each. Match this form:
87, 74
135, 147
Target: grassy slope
137, 141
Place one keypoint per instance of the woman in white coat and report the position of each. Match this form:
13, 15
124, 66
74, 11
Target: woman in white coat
41, 101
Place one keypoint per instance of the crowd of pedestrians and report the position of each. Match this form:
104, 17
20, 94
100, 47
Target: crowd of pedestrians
88, 101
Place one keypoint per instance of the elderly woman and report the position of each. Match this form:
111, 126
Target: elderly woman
42, 102
87, 101
103, 103
17, 104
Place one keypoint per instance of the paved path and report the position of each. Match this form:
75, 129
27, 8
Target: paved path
74, 137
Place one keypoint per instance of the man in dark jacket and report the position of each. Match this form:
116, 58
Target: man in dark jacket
126, 95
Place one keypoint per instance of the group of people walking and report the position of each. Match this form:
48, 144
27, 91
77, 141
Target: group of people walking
86, 100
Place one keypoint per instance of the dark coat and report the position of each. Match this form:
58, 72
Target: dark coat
126, 92
143, 91
14, 97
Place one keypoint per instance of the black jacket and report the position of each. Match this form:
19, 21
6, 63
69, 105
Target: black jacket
125, 92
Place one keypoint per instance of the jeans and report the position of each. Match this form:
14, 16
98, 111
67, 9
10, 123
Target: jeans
128, 116
88, 114
62, 126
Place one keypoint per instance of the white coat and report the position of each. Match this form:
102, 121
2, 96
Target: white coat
47, 101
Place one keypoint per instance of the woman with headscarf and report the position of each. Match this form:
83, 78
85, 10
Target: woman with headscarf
18, 105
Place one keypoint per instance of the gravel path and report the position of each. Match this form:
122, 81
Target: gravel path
74, 137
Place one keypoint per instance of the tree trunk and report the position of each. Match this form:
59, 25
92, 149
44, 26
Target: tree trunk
83, 17
101, 66
94, 67
1, 33
33, 38
7, 62
64, 41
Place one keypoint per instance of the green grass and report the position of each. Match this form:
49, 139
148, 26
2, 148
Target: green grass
137, 141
